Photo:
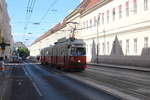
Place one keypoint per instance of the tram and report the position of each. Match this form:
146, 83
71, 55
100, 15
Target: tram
67, 54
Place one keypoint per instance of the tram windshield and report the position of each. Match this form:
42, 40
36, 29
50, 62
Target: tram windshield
77, 51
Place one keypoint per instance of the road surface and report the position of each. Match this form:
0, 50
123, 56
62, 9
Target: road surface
31, 81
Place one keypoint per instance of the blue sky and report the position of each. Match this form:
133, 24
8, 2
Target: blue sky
17, 12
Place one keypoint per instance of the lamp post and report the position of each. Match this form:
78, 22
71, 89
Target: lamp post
104, 41
97, 59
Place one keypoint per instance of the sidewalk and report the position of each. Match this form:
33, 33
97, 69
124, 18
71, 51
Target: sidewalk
122, 66
5, 83
2, 83
2, 76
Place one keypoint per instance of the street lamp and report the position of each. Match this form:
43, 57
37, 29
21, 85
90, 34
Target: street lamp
36, 23
29, 33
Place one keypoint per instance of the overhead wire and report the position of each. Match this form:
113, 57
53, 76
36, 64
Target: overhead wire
29, 11
50, 7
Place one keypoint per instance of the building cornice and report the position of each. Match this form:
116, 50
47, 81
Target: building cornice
80, 8
95, 7
72, 14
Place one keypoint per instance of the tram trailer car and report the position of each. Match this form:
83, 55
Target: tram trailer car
65, 54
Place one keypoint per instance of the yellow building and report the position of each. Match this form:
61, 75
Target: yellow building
5, 29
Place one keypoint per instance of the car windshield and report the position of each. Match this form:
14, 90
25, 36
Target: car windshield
77, 51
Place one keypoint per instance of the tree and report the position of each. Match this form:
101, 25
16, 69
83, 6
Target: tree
23, 52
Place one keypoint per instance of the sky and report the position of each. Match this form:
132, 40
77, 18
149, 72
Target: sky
46, 13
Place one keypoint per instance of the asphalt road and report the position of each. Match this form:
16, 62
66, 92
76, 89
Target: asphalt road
126, 83
35, 82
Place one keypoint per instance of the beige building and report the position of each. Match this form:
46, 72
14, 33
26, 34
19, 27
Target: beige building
114, 31
5, 29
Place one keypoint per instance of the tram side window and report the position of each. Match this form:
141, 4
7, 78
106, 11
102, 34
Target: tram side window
73, 51
77, 51
81, 51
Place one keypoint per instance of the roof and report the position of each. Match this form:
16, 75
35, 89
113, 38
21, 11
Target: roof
92, 3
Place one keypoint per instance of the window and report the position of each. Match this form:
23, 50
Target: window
102, 18
135, 45
77, 51
98, 19
107, 47
107, 16
120, 11
127, 46
146, 42
113, 13
145, 4
127, 8
94, 20
90, 22
134, 6
87, 23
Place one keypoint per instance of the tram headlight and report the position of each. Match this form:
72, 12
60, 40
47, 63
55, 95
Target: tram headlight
79, 61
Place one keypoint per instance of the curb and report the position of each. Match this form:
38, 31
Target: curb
122, 67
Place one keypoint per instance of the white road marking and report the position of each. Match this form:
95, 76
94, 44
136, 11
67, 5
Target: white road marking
35, 86
37, 89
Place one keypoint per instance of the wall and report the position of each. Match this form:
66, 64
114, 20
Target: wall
136, 25
5, 28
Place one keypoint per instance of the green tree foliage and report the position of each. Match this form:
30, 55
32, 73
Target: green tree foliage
23, 52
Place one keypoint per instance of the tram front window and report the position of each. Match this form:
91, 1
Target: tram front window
77, 51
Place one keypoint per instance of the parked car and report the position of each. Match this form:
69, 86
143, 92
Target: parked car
14, 59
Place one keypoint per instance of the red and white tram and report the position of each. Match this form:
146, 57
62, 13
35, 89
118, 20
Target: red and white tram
65, 54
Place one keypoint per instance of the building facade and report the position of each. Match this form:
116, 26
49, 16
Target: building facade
5, 30
114, 31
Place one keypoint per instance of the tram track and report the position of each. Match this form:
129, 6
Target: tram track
139, 74
54, 77
100, 78
124, 75
130, 83
120, 83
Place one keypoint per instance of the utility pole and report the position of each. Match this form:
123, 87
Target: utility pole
104, 42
